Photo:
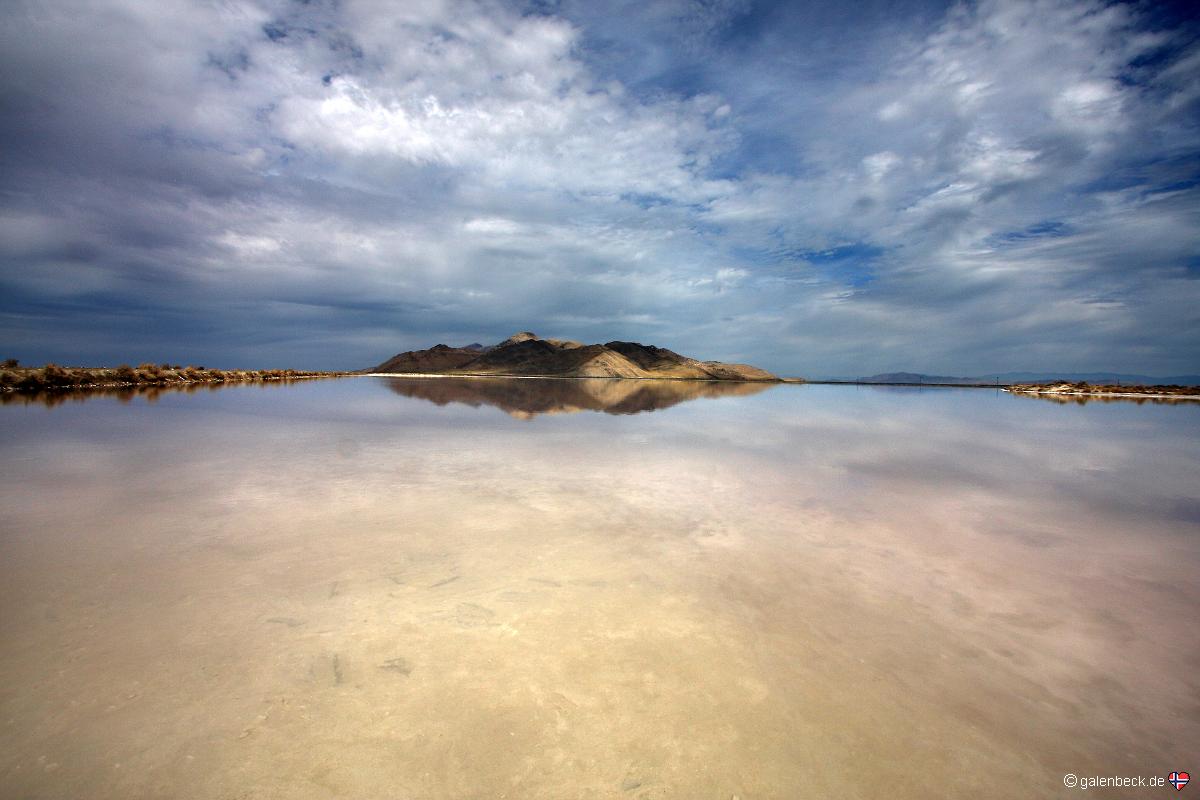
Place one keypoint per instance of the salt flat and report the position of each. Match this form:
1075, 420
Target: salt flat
373, 588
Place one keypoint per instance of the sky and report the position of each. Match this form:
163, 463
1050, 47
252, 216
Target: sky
817, 188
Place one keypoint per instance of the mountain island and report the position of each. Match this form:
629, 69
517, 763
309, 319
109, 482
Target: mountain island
527, 355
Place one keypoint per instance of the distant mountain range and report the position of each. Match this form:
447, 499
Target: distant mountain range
526, 354
1027, 377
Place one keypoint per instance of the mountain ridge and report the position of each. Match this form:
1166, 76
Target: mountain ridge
525, 354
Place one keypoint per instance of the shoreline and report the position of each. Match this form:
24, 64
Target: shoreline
164, 384
1128, 395
1019, 389
896, 383
565, 377
55, 379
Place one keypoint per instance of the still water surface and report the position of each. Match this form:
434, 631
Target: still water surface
451, 588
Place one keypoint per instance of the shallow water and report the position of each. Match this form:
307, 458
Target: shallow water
449, 588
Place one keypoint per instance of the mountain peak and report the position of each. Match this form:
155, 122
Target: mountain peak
525, 354
520, 336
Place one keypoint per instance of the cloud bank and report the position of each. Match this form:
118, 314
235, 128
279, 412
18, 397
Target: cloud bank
956, 189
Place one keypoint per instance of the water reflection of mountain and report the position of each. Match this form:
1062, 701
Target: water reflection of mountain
529, 397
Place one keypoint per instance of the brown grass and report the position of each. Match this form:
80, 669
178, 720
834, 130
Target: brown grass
1083, 387
55, 378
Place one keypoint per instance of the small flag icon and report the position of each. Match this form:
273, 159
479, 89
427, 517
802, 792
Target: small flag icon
1178, 780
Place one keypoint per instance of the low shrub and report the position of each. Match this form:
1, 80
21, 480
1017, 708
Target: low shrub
54, 375
32, 382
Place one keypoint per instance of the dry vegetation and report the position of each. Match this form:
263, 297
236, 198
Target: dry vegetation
1065, 391
53, 378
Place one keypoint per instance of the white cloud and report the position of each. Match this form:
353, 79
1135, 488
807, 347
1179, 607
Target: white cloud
878, 165
492, 225
503, 97
457, 165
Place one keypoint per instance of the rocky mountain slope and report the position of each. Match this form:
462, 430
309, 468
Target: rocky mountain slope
526, 354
